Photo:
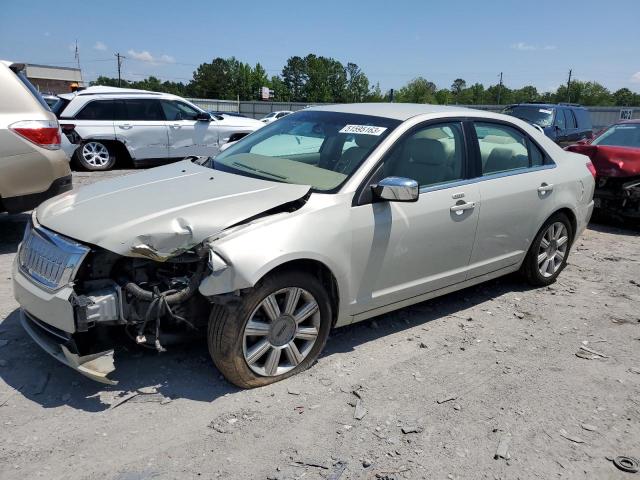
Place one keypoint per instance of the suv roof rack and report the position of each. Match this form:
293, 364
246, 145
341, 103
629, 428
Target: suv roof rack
569, 104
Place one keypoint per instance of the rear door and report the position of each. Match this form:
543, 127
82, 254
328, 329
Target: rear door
94, 121
187, 135
140, 125
516, 195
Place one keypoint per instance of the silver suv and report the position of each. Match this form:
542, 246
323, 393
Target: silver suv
108, 123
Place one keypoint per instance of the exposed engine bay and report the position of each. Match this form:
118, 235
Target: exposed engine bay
148, 298
619, 196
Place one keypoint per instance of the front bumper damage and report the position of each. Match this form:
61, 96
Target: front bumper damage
61, 346
618, 196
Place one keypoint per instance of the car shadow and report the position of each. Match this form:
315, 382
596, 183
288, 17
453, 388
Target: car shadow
183, 371
11, 231
610, 225
186, 370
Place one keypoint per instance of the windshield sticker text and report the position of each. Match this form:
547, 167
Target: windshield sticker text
363, 129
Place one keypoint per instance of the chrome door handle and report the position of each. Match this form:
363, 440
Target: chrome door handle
125, 126
544, 188
460, 209
176, 125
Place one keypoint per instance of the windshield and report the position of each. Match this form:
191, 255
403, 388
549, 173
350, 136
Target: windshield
539, 115
316, 148
621, 135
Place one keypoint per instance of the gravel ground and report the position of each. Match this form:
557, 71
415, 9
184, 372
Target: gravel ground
436, 390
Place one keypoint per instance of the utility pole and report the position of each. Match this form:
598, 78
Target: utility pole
77, 57
568, 88
500, 88
120, 58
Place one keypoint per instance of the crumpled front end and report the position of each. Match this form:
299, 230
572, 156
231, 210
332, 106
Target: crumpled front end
618, 196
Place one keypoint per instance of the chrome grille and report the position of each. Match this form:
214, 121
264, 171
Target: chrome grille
49, 259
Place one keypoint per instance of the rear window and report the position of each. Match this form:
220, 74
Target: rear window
34, 91
539, 115
96, 110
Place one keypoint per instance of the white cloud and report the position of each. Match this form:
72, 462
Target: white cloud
635, 78
99, 46
525, 47
522, 46
145, 56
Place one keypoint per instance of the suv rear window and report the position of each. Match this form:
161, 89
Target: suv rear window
34, 91
96, 110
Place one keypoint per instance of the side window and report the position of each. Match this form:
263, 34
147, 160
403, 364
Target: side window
143, 109
571, 119
502, 148
560, 122
431, 155
537, 157
174, 110
96, 110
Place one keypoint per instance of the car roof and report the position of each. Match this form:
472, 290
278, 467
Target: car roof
398, 111
546, 105
103, 91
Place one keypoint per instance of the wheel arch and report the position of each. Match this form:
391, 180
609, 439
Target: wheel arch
320, 271
121, 150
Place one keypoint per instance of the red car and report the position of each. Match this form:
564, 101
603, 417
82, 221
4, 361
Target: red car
615, 154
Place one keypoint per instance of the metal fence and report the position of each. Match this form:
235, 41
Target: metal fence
600, 116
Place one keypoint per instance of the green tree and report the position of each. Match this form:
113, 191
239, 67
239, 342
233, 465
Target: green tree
623, 97
294, 77
456, 88
357, 84
418, 90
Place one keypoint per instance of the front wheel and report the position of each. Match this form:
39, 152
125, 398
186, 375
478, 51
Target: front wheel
549, 251
95, 156
277, 330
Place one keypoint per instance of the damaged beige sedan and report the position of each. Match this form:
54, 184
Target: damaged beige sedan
326, 217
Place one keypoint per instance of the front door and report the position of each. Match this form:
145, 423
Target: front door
187, 135
402, 250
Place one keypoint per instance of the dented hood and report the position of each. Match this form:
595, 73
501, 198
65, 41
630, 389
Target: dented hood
611, 161
163, 211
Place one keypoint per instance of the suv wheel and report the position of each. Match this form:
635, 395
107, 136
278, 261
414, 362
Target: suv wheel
277, 330
94, 156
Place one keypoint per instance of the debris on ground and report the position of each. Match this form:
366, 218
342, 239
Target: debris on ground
360, 411
293, 391
589, 354
338, 470
412, 429
627, 464
445, 399
502, 451
589, 428
572, 438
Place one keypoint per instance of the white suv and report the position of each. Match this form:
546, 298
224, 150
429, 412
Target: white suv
148, 128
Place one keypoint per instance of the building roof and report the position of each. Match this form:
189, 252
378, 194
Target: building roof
50, 72
399, 111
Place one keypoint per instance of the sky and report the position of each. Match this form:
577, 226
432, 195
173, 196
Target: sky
531, 42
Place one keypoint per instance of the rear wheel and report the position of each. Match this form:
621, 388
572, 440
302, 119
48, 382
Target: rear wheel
95, 156
278, 330
549, 251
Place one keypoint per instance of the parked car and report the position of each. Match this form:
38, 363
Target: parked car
615, 154
273, 116
147, 128
563, 123
269, 248
33, 168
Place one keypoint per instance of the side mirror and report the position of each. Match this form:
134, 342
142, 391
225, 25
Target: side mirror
204, 116
396, 189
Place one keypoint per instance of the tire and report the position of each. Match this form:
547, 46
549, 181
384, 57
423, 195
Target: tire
95, 156
541, 270
232, 350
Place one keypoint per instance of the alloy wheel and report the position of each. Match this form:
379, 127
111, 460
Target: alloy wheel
95, 154
552, 249
281, 331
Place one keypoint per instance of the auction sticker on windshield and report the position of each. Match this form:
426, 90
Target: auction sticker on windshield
363, 129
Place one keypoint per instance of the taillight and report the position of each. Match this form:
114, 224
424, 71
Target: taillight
44, 133
592, 169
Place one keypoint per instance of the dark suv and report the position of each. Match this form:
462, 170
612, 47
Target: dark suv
563, 123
